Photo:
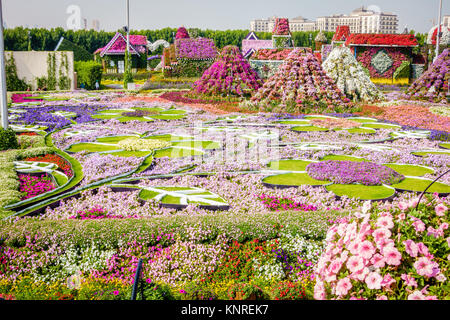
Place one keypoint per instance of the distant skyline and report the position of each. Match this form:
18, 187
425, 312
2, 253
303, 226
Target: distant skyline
207, 14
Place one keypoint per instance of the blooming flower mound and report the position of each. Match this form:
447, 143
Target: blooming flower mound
388, 253
136, 144
348, 172
301, 84
230, 74
182, 33
349, 76
433, 84
281, 27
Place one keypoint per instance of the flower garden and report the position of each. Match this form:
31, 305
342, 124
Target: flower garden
314, 183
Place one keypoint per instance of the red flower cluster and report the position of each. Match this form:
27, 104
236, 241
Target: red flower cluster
342, 33
62, 163
182, 33
382, 39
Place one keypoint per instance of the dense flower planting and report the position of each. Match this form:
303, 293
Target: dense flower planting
62, 163
348, 172
33, 186
299, 84
198, 48
271, 54
230, 74
275, 203
381, 62
281, 27
182, 33
382, 39
433, 84
342, 33
388, 253
349, 76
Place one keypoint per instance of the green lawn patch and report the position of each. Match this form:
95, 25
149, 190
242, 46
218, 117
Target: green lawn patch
409, 169
289, 165
361, 192
294, 179
420, 184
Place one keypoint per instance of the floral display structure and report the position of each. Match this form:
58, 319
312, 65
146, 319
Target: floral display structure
300, 84
434, 83
182, 33
230, 74
349, 76
281, 34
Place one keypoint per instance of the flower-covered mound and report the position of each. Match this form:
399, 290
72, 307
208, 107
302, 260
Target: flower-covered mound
349, 76
432, 84
349, 172
300, 85
230, 74
388, 253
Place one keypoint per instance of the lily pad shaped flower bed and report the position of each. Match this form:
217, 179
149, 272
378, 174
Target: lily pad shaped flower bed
176, 197
353, 177
160, 145
140, 114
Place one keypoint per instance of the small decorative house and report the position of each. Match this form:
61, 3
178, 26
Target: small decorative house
112, 56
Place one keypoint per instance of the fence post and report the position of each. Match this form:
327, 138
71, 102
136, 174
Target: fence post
136, 280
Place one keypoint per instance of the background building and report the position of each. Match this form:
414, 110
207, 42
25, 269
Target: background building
360, 20
446, 21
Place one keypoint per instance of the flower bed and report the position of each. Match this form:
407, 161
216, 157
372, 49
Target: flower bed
33, 186
348, 172
381, 62
62, 163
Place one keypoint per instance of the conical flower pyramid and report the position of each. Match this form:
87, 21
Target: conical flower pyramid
433, 84
300, 85
350, 77
230, 74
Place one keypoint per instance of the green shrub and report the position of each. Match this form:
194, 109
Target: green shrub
13, 83
246, 291
88, 72
8, 139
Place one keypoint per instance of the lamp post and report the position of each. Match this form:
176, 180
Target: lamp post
3, 101
438, 34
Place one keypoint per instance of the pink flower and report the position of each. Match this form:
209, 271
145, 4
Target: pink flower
411, 248
409, 280
373, 280
385, 222
387, 280
392, 256
440, 209
403, 205
354, 247
361, 274
383, 297
416, 295
424, 266
381, 233
419, 225
378, 261
343, 286
355, 264
319, 291
366, 249
423, 249
334, 266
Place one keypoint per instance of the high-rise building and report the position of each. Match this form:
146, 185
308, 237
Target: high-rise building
361, 20
446, 21
95, 25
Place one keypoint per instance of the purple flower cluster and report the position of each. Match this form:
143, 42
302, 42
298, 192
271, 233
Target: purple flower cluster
349, 172
199, 48
33, 186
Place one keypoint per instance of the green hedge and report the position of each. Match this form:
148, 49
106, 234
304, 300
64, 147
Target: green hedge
8, 139
88, 72
79, 53
189, 68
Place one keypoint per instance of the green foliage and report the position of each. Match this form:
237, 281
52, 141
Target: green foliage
195, 291
13, 83
8, 139
79, 53
88, 72
51, 71
403, 71
127, 75
190, 68
64, 80
246, 291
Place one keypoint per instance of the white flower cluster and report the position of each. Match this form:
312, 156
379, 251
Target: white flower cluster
268, 270
136, 144
350, 77
308, 249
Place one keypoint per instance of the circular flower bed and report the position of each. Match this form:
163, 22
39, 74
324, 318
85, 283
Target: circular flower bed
348, 172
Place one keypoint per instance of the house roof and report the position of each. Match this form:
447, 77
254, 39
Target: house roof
118, 44
388, 40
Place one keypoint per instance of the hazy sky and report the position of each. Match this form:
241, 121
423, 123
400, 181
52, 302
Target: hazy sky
207, 14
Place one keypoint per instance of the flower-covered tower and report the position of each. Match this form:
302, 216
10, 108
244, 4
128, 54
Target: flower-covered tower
182, 33
281, 34
349, 76
230, 74
433, 84
299, 86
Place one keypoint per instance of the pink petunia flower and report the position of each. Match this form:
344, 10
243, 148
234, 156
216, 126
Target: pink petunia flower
424, 266
385, 222
343, 286
416, 295
387, 280
440, 209
355, 264
378, 261
392, 256
373, 280
366, 249
411, 248
409, 280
